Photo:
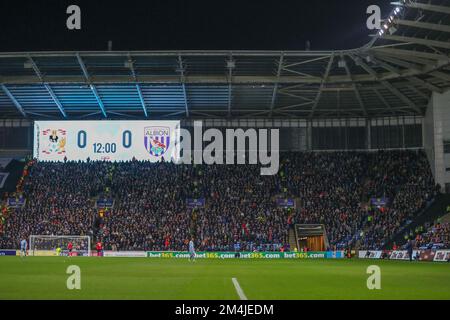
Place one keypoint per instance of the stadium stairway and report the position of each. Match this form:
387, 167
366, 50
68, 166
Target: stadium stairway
292, 238
436, 210
15, 170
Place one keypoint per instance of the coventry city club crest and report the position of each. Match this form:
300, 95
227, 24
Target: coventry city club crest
56, 143
157, 140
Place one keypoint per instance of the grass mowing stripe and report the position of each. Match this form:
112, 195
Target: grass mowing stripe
239, 290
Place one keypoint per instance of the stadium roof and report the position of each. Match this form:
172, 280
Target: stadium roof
393, 75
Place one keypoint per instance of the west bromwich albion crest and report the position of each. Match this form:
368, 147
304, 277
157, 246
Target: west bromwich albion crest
157, 140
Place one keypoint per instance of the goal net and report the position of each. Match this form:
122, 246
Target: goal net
42, 245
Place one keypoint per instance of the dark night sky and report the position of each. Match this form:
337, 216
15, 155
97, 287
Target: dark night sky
186, 24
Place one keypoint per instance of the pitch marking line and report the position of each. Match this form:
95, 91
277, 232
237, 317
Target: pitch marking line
239, 290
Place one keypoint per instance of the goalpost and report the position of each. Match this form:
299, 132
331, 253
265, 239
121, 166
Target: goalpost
43, 245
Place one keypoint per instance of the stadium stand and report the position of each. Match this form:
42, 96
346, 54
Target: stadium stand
436, 236
150, 210
389, 94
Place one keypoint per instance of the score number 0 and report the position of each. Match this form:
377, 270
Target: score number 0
109, 147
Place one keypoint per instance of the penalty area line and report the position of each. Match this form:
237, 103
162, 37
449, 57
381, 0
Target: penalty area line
239, 290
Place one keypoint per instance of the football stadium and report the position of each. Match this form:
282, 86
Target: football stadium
230, 174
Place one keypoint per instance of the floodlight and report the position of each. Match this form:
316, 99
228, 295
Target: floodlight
369, 58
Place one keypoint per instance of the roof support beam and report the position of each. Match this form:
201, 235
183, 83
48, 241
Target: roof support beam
424, 25
230, 66
172, 114
186, 105
441, 75
138, 87
14, 100
384, 101
120, 114
412, 53
387, 66
295, 106
93, 89
36, 69
41, 115
399, 62
426, 84
47, 86
426, 6
359, 61
420, 61
255, 114
416, 61
55, 99
355, 88
297, 72
214, 80
141, 98
276, 85
412, 73
401, 96
322, 85
292, 87
99, 100
293, 95
172, 54
183, 85
418, 92
83, 68
360, 101
305, 61
205, 114
425, 42
230, 98
88, 115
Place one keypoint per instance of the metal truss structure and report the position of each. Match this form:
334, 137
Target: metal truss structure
393, 75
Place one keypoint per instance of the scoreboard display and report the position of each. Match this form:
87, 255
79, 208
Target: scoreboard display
106, 140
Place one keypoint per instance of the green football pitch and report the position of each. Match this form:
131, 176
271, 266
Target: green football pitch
146, 278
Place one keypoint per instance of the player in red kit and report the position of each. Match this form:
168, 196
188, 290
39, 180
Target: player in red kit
99, 248
69, 248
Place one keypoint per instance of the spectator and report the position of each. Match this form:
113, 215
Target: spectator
150, 211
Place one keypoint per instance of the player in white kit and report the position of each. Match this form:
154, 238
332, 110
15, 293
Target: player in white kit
191, 250
23, 248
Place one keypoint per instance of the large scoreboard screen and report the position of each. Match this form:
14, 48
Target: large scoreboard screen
106, 140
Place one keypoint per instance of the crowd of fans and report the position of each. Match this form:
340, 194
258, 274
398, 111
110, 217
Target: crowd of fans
150, 211
57, 202
329, 186
436, 236
406, 180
